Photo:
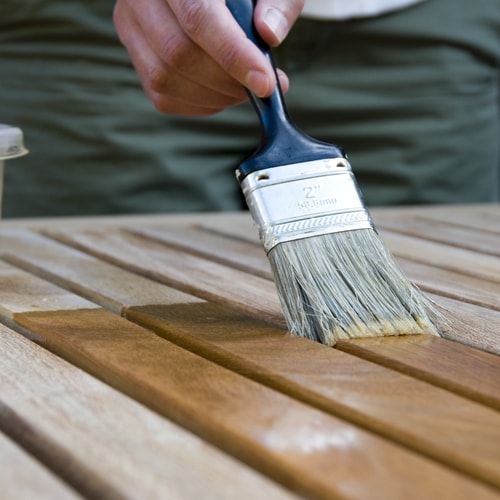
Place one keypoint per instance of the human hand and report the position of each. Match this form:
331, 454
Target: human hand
192, 57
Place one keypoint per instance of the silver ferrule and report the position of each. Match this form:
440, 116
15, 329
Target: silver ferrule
305, 199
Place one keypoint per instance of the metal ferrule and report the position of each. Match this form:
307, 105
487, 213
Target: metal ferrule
305, 199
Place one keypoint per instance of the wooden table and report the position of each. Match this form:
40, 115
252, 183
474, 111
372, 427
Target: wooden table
146, 357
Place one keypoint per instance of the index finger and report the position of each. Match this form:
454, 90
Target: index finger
210, 24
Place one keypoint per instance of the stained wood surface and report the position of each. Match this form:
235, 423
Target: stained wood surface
101, 442
177, 317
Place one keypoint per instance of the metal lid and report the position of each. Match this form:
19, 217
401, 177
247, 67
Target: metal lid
11, 142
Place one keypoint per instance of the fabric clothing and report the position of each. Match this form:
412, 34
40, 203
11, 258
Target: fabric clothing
346, 9
412, 96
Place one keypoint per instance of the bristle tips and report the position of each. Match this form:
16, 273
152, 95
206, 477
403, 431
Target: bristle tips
347, 285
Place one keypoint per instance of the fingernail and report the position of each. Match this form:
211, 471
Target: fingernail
258, 82
277, 23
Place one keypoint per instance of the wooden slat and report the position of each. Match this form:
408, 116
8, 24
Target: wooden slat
470, 238
199, 241
248, 257
469, 324
485, 218
364, 398
103, 443
467, 262
452, 284
470, 215
292, 442
47, 256
472, 325
23, 477
469, 372
189, 273
239, 289
242, 228
368, 395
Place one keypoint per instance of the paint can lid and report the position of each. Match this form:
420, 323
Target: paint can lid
11, 142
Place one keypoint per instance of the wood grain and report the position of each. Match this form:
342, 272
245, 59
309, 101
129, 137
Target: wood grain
374, 397
290, 441
471, 325
452, 234
483, 218
419, 415
469, 372
203, 278
189, 273
103, 443
453, 284
227, 250
358, 398
467, 262
66, 266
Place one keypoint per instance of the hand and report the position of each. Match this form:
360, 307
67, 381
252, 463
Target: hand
192, 57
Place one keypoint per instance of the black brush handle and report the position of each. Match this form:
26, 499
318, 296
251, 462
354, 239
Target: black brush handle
282, 142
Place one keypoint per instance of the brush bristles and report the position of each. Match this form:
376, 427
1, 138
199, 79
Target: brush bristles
346, 285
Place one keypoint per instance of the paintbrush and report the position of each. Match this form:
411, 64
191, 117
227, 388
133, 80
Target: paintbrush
334, 277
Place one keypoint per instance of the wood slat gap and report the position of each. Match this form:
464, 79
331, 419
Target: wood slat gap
459, 260
218, 279
456, 235
396, 354
251, 237
215, 247
157, 318
172, 384
23, 476
481, 220
63, 464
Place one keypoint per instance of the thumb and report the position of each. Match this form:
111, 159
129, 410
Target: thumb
274, 18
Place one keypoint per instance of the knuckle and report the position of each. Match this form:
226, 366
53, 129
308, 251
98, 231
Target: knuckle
157, 78
161, 104
193, 16
228, 57
175, 51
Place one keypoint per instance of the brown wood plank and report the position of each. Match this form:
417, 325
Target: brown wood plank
251, 258
47, 257
23, 477
469, 372
452, 284
478, 240
103, 443
467, 262
206, 243
288, 440
381, 422
189, 273
481, 218
376, 398
471, 325
235, 289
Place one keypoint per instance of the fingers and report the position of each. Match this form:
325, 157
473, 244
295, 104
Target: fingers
211, 26
177, 76
274, 18
193, 58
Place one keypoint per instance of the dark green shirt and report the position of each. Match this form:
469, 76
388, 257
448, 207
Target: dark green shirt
412, 96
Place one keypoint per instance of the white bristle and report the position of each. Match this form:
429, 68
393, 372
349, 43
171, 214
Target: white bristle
346, 285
